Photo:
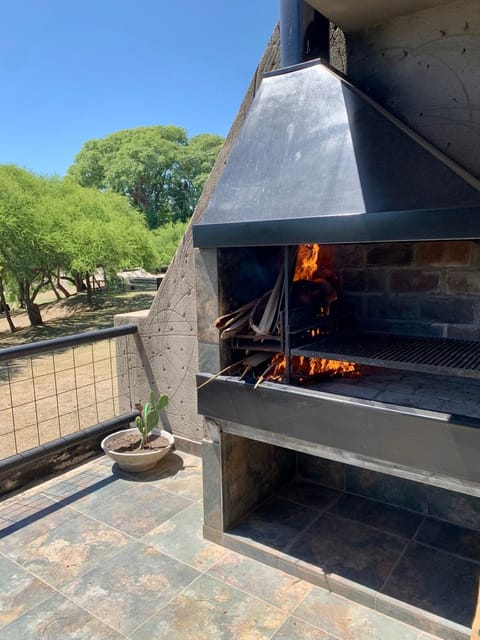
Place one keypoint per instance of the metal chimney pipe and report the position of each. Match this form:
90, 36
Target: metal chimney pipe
291, 32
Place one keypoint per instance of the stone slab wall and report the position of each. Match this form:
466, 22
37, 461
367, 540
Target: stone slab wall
423, 68
418, 288
457, 508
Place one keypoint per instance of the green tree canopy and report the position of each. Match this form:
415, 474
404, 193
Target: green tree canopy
157, 168
48, 225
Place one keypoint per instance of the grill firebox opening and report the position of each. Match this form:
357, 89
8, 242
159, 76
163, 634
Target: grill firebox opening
349, 310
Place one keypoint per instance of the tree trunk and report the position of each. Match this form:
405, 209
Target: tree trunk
21, 293
33, 312
60, 286
65, 292
54, 289
6, 308
79, 282
89, 288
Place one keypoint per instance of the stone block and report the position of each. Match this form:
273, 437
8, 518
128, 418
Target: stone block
451, 506
443, 253
408, 280
206, 279
463, 332
212, 485
247, 475
390, 254
353, 280
284, 464
375, 280
208, 358
463, 282
399, 307
405, 328
350, 255
328, 473
395, 491
446, 309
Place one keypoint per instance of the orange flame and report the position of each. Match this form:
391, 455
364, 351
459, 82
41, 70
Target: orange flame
302, 367
313, 260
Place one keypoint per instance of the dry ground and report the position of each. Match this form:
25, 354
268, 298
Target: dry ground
73, 315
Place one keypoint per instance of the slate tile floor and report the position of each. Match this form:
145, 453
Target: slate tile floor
98, 555
421, 561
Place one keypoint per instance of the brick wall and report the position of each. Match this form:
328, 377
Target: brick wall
422, 288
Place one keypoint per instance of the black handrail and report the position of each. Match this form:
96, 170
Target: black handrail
54, 344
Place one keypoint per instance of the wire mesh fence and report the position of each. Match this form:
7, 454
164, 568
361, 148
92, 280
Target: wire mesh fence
49, 395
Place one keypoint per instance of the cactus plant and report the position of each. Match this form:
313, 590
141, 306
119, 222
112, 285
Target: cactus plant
149, 416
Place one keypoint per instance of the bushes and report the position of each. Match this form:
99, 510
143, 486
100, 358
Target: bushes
167, 238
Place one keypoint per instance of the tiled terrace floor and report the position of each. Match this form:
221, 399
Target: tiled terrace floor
94, 554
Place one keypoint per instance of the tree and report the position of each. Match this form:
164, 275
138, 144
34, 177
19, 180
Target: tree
157, 168
50, 224
167, 238
104, 231
27, 245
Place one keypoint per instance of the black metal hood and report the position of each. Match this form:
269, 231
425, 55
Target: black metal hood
318, 161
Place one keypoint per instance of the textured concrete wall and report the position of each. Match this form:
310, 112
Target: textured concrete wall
164, 355
424, 68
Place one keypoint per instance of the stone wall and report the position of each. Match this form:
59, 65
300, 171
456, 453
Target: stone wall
420, 288
423, 68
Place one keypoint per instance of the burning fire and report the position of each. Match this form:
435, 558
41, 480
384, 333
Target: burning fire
302, 368
314, 278
314, 261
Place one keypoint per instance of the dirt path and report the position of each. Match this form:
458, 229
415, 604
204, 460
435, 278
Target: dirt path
52, 311
73, 315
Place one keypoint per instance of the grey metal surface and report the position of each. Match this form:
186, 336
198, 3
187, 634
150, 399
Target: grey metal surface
317, 160
430, 355
433, 442
291, 32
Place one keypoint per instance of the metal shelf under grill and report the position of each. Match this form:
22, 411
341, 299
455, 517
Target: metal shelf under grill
443, 356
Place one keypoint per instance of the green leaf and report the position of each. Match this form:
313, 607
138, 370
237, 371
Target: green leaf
162, 402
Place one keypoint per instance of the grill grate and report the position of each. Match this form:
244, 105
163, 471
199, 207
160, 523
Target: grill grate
431, 355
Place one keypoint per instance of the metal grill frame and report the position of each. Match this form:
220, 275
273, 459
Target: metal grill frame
441, 356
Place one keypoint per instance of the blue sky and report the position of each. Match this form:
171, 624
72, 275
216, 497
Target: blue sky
72, 70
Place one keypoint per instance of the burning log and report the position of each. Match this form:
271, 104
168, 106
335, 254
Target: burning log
316, 295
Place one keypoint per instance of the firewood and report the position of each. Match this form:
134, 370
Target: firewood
235, 327
221, 321
214, 377
264, 375
270, 313
253, 360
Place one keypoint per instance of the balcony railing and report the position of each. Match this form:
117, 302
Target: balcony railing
54, 388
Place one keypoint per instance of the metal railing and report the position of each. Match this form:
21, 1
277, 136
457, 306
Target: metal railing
54, 388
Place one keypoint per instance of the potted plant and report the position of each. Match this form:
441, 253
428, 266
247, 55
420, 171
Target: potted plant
140, 448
